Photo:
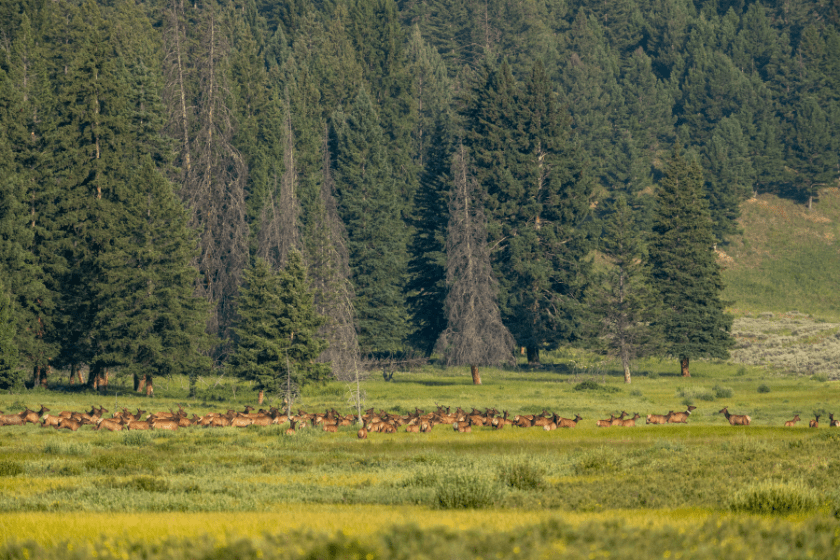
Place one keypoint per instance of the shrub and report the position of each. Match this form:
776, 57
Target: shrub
590, 385
764, 388
10, 468
466, 491
521, 475
819, 377
776, 498
722, 392
136, 438
652, 375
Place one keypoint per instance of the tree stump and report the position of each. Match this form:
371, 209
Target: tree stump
476, 376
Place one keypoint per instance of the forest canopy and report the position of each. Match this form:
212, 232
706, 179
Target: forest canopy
152, 152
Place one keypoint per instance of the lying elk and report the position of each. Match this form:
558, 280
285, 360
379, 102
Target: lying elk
736, 419
792, 423
657, 418
680, 417
630, 422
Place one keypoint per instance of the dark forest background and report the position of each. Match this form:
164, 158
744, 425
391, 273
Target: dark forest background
153, 152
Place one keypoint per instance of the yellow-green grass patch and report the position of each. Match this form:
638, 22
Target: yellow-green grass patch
50, 529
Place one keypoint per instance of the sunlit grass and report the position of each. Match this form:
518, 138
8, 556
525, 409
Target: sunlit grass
51, 529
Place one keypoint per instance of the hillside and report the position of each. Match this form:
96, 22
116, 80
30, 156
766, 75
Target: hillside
787, 258
781, 277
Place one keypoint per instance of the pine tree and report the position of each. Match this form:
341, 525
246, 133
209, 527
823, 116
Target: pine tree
683, 269
730, 176
370, 208
8, 349
812, 152
148, 321
475, 334
277, 328
538, 199
624, 300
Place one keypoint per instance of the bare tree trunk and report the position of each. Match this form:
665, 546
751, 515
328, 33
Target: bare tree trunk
261, 398
139, 383
476, 376
684, 366
150, 389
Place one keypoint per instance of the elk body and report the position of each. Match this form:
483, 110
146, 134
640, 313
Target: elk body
630, 422
792, 423
736, 419
815, 423
832, 423
657, 418
680, 417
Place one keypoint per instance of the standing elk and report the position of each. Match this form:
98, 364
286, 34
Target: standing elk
736, 419
815, 423
680, 417
792, 423
832, 423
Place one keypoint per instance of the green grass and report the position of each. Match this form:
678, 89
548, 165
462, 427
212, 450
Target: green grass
706, 467
787, 257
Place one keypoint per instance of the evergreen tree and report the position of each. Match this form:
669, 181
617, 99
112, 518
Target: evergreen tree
683, 269
730, 176
475, 334
148, 321
624, 300
537, 202
277, 328
8, 348
370, 208
812, 152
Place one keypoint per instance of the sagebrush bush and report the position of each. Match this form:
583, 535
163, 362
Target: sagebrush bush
521, 475
772, 497
722, 392
763, 388
466, 490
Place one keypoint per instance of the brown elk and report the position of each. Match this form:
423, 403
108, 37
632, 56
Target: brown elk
832, 423
109, 424
362, 434
605, 423
164, 424
630, 422
657, 418
736, 419
680, 417
792, 423
815, 423
18, 419
618, 420
569, 423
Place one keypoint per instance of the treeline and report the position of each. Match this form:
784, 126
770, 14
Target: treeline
155, 153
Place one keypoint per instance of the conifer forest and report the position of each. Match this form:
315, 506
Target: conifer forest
284, 188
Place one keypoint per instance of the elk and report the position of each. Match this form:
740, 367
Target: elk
792, 423
736, 419
567, 423
164, 424
362, 434
680, 417
832, 423
617, 421
109, 424
630, 422
657, 418
605, 423
18, 419
815, 423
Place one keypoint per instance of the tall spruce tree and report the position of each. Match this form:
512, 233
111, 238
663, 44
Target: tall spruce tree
623, 299
8, 348
277, 328
148, 321
537, 202
475, 334
370, 207
683, 267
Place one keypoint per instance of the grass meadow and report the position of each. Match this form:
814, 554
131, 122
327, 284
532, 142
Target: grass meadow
702, 490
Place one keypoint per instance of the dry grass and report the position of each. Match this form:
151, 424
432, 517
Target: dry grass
791, 343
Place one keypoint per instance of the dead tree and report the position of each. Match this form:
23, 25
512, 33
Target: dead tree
475, 334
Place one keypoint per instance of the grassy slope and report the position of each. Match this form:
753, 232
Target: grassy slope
787, 258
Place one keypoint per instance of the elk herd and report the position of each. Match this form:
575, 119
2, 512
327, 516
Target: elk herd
418, 421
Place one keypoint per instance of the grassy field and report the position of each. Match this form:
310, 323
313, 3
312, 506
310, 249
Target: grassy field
255, 492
